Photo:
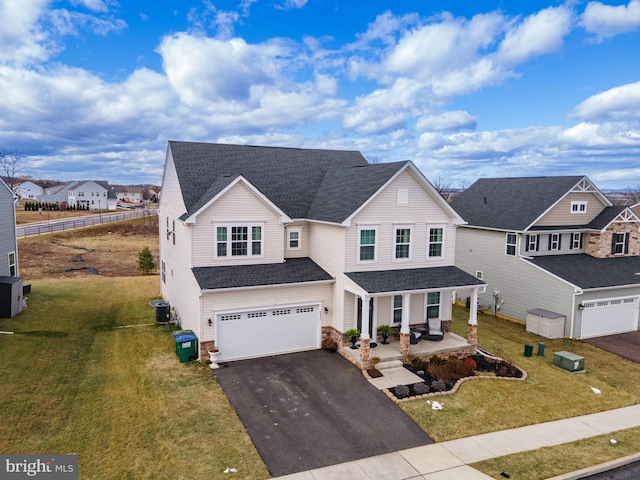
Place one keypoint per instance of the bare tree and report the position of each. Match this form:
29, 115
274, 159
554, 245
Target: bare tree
442, 186
633, 195
12, 162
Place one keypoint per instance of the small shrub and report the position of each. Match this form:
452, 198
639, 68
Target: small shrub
471, 362
417, 363
421, 388
402, 391
438, 385
436, 360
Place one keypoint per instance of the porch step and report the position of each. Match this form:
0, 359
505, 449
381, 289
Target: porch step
389, 364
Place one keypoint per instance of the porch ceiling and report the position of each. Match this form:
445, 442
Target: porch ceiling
410, 279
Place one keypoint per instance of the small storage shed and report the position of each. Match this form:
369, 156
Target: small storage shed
545, 323
10, 296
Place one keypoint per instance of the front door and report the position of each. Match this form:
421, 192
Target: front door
372, 332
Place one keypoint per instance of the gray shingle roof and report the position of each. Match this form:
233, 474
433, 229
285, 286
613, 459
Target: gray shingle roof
326, 185
413, 279
588, 272
605, 217
511, 203
294, 270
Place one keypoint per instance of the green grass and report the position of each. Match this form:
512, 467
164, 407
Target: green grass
119, 398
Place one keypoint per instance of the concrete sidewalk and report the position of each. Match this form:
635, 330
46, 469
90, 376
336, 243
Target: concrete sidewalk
449, 460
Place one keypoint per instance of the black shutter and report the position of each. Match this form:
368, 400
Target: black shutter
550, 241
581, 235
559, 241
626, 243
526, 247
537, 242
613, 244
571, 241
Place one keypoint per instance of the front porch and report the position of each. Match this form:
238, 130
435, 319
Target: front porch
451, 344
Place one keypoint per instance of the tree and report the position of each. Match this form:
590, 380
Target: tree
12, 162
145, 261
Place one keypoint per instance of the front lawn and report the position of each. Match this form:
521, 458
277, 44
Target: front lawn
118, 397
549, 393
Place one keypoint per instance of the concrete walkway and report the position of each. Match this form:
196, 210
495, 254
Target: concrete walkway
449, 460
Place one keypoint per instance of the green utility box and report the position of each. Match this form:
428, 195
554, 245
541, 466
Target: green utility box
568, 361
187, 347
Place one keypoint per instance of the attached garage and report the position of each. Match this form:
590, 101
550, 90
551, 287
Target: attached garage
609, 316
268, 331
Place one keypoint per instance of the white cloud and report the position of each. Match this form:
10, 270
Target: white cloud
619, 103
290, 4
22, 38
447, 121
606, 20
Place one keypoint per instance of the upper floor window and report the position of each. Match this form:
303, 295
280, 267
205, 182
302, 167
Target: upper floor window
578, 207
555, 241
367, 244
576, 240
512, 240
294, 238
239, 241
533, 243
12, 264
403, 242
396, 316
620, 243
436, 242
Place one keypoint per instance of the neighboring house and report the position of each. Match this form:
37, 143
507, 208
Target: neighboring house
87, 194
28, 190
554, 252
267, 250
128, 194
10, 283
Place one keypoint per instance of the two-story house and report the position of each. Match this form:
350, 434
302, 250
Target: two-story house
86, 194
265, 250
28, 190
552, 250
10, 282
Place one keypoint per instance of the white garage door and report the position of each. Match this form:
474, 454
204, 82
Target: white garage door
269, 331
609, 316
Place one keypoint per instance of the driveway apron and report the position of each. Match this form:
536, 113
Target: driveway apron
626, 345
312, 409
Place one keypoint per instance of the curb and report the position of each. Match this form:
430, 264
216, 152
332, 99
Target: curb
603, 467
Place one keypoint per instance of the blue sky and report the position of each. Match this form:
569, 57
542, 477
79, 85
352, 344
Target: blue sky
464, 89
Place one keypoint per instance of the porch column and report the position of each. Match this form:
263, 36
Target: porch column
404, 325
472, 327
365, 337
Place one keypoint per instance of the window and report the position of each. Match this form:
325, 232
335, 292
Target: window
479, 275
163, 272
367, 244
512, 240
433, 305
396, 314
555, 240
578, 207
576, 241
239, 241
173, 231
620, 243
436, 240
12, 264
403, 242
294, 238
533, 243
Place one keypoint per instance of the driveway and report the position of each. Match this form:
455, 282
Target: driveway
627, 345
313, 409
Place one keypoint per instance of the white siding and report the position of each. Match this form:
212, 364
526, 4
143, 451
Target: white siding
304, 240
241, 205
560, 214
421, 212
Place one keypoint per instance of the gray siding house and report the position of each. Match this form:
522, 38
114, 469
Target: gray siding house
8, 241
554, 252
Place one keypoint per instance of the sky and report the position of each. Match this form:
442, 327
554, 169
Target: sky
94, 89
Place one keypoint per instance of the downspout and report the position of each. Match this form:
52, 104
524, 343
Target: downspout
576, 292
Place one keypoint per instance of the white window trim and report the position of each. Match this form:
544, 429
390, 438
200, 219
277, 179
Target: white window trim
395, 230
291, 230
392, 321
12, 265
507, 244
444, 233
625, 235
426, 304
479, 274
228, 226
532, 246
556, 242
579, 207
375, 245
575, 240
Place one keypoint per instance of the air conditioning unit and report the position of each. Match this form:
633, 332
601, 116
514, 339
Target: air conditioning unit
568, 361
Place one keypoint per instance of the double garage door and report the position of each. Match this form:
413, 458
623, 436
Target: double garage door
609, 316
268, 331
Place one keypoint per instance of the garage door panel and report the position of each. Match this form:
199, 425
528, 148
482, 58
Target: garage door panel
609, 316
268, 331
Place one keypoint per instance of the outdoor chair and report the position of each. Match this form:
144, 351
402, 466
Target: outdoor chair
436, 330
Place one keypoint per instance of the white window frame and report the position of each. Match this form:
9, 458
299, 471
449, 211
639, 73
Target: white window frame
375, 244
514, 244
13, 268
297, 230
395, 309
427, 305
163, 270
532, 244
555, 244
579, 207
228, 226
396, 244
624, 242
576, 240
429, 243
479, 274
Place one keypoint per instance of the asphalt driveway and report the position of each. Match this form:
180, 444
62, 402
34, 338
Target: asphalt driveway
627, 345
313, 409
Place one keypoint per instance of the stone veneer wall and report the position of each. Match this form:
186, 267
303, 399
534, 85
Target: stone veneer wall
599, 244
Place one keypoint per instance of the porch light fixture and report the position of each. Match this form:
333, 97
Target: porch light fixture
326, 310
210, 322
581, 306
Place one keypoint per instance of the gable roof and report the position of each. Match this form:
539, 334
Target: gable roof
512, 203
323, 185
